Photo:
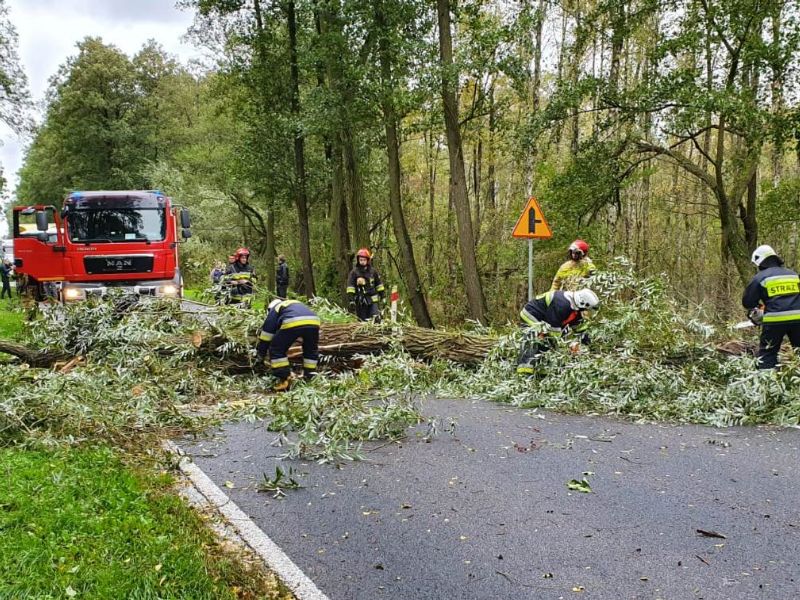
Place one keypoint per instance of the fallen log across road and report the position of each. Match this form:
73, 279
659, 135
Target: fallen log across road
337, 340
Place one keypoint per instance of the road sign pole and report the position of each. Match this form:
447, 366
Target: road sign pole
530, 269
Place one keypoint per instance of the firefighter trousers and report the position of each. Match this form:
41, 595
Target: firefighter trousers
279, 347
368, 312
770, 344
534, 344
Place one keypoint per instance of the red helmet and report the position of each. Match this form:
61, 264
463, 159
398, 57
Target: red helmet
579, 246
365, 253
242, 252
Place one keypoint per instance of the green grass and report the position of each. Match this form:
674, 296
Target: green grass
12, 320
78, 522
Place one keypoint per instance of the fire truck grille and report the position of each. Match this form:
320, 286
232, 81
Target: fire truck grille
97, 265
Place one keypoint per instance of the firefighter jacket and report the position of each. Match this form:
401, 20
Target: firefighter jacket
371, 291
778, 289
570, 274
241, 275
282, 274
289, 314
554, 309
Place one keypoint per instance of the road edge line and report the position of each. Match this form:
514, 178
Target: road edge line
273, 556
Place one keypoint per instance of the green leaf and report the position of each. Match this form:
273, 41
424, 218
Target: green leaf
580, 486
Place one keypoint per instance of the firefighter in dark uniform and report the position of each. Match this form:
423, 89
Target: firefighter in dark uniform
240, 277
772, 299
549, 316
282, 277
365, 288
286, 321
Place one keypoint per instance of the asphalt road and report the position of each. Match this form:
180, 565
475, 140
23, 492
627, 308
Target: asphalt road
486, 512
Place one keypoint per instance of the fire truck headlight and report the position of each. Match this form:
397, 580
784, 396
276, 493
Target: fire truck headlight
169, 290
74, 294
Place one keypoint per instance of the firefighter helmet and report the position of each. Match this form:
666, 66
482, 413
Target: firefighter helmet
274, 303
585, 299
365, 253
762, 252
579, 246
242, 252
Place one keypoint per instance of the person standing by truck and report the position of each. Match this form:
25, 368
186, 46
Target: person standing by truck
5, 275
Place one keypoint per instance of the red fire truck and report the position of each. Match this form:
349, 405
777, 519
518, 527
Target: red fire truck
101, 240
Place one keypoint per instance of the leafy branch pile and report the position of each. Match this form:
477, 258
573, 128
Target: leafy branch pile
145, 371
649, 360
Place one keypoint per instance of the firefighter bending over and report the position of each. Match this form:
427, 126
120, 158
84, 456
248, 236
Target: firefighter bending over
549, 316
240, 277
773, 301
286, 321
579, 266
365, 288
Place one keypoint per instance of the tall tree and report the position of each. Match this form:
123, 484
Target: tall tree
387, 41
458, 181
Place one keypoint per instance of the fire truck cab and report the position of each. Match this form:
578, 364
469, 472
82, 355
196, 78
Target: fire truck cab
101, 240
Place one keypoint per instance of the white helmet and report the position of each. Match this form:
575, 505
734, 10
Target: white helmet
760, 253
274, 303
585, 299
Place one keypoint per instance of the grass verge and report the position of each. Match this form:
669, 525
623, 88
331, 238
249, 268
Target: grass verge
80, 523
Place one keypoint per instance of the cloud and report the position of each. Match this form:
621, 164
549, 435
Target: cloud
49, 30
139, 11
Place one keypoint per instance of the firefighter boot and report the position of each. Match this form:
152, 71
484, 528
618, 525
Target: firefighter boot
281, 386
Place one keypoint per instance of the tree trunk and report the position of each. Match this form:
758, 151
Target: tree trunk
408, 265
301, 201
458, 182
270, 252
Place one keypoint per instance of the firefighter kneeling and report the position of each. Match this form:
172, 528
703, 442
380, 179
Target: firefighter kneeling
286, 321
550, 316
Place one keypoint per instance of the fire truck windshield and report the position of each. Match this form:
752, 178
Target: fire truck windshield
117, 224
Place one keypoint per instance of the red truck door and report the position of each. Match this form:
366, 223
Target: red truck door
39, 254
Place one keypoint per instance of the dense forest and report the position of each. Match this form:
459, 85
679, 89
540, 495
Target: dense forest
665, 131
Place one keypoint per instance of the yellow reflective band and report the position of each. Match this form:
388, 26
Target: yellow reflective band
309, 364
784, 317
351, 290
314, 321
782, 286
376, 298
528, 317
279, 362
266, 337
380, 288
524, 369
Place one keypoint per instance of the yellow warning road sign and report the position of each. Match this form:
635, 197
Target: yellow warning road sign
531, 223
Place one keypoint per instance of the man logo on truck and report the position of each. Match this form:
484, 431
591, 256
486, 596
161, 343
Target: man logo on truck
119, 264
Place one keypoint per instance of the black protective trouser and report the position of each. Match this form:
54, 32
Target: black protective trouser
279, 348
367, 312
6, 289
534, 344
771, 338
282, 288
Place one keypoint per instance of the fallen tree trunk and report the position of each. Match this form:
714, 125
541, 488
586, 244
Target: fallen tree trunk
32, 356
341, 341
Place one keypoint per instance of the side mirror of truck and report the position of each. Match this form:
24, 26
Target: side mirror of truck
41, 220
186, 220
186, 233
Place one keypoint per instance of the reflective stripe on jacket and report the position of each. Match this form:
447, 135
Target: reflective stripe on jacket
554, 309
778, 289
287, 315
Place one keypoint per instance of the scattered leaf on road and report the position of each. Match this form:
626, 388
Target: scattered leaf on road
712, 534
580, 486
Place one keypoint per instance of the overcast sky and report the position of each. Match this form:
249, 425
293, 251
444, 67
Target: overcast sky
49, 29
